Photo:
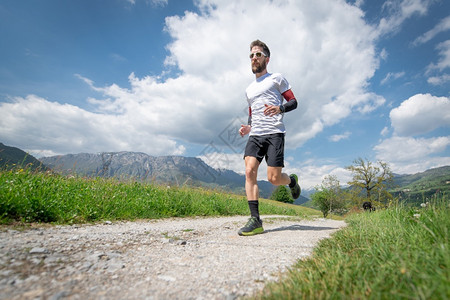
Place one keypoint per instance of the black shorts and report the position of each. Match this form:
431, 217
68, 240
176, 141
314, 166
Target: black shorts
270, 146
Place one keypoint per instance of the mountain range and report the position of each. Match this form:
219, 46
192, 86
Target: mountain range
192, 171
171, 170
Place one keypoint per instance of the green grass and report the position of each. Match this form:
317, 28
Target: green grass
27, 196
398, 253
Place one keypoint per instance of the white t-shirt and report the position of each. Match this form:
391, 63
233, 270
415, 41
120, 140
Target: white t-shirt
267, 89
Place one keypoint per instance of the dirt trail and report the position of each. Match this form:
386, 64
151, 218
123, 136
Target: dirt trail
199, 258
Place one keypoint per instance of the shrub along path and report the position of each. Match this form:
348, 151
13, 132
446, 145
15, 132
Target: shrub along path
201, 258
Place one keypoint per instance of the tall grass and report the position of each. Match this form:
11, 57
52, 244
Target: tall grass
28, 196
398, 253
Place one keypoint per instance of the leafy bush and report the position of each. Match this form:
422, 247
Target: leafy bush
282, 194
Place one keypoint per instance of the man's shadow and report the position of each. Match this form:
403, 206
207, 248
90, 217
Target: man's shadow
299, 227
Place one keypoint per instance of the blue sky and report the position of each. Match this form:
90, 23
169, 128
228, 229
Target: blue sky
168, 78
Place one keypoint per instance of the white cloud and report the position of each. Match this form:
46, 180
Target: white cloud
152, 2
442, 26
159, 2
338, 137
444, 61
359, 3
398, 11
411, 155
392, 76
384, 54
420, 114
117, 58
63, 128
346, 103
439, 80
442, 64
329, 58
311, 173
404, 151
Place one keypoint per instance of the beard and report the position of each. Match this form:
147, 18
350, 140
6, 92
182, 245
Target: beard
258, 67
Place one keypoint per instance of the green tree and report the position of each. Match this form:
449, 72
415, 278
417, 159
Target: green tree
329, 197
282, 194
371, 178
321, 200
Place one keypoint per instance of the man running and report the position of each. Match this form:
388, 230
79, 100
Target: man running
265, 98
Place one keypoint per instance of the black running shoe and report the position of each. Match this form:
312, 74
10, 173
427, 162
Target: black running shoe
254, 226
296, 190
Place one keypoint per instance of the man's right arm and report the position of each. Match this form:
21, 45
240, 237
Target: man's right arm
245, 129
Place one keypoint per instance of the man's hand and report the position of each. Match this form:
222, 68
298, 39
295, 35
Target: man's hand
245, 129
271, 110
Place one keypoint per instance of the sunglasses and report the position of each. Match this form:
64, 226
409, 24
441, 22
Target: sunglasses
257, 54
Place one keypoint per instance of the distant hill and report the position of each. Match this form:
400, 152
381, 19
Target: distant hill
173, 170
12, 157
416, 188
419, 187
301, 200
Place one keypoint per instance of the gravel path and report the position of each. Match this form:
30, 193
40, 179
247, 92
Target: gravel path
199, 258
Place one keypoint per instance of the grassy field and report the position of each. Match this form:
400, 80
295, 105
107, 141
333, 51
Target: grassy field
27, 196
397, 253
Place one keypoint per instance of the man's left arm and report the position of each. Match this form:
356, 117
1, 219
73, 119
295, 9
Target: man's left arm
291, 102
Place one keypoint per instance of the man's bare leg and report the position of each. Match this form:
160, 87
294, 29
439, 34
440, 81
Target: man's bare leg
254, 224
251, 178
276, 177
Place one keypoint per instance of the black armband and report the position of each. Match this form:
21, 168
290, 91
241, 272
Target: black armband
288, 106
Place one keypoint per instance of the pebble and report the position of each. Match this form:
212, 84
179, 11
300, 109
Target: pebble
37, 250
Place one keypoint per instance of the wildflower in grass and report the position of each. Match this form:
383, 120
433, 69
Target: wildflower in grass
416, 216
425, 204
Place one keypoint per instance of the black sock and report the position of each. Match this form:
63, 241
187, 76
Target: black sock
293, 182
254, 210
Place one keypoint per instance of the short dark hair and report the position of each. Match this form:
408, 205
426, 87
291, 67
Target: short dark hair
262, 45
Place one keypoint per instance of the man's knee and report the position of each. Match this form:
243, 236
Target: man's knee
274, 178
250, 173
